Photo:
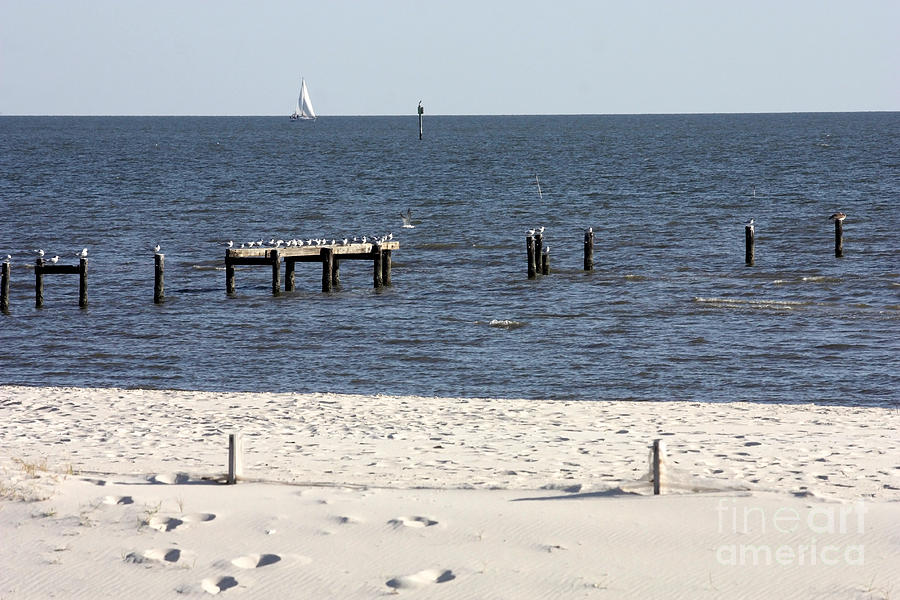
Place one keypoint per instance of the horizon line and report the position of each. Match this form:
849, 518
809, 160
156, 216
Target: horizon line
614, 114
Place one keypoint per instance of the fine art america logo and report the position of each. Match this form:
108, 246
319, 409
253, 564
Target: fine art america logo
817, 535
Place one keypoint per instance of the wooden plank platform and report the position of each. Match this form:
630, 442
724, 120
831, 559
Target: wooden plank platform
330, 255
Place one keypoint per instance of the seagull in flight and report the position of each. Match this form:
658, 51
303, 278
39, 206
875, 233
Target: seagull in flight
838, 216
407, 219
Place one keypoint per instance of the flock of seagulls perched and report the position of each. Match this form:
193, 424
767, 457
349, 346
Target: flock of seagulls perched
297, 243
53, 259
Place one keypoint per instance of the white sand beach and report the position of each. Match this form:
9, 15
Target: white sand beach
110, 493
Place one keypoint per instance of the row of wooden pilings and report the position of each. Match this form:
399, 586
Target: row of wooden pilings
538, 261
329, 256
41, 268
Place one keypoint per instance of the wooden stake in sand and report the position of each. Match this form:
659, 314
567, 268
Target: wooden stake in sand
659, 450
235, 458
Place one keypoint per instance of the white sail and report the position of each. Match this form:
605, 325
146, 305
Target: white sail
304, 109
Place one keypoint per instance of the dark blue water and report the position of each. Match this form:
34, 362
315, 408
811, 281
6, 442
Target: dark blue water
670, 312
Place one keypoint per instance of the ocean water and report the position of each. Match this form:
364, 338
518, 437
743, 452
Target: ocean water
670, 312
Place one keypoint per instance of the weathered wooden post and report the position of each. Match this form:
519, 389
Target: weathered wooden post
589, 249
235, 458
529, 245
289, 266
229, 273
749, 250
82, 282
545, 261
839, 238
377, 277
538, 250
276, 271
386, 267
327, 257
335, 273
421, 112
659, 450
159, 294
39, 283
4, 288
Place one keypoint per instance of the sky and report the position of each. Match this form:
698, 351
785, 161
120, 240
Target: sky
461, 57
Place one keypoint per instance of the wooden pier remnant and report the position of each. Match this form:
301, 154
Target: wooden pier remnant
329, 255
545, 261
749, 250
589, 249
159, 294
4, 287
838, 219
532, 263
41, 268
421, 111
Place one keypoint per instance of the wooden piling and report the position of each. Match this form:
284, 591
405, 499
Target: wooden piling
229, 274
656, 465
276, 271
749, 250
532, 268
589, 249
289, 275
235, 458
82, 282
327, 257
386, 267
421, 111
838, 238
39, 283
159, 295
538, 250
377, 275
335, 273
4, 288
545, 261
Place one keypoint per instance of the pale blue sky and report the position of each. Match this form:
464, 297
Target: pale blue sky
380, 57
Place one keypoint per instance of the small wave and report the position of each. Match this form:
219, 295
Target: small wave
635, 278
506, 324
821, 279
748, 303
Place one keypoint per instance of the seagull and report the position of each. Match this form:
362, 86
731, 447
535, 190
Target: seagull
750, 223
156, 248
54, 260
40, 252
541, 230
590, 230
838, 216
7, 259
530, 232
82, 254
407, 219
230, 244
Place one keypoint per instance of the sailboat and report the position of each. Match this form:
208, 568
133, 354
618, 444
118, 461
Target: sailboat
304, 110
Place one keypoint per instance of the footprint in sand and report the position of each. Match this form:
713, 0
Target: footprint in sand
155, 555
164, 523
412, 522
170, 478
214, 585
348, 520
118, 500
198, 517
254, 561
421, 579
